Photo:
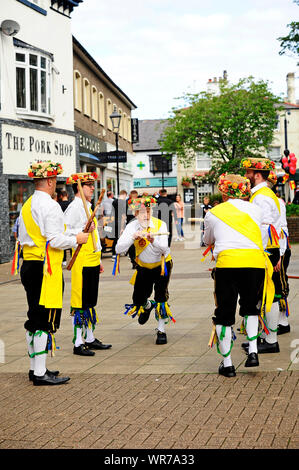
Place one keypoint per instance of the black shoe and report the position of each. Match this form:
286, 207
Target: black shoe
252, 360
265, 347
134, 265
161, 338
82, 350
49, 372
96, 344
143, 317
281, 329
49, 380
227, 371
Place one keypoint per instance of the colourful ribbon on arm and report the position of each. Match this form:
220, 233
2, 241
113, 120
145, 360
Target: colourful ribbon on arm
273, 233
47, 264
15, 266
284, 234
115, 269
205, 253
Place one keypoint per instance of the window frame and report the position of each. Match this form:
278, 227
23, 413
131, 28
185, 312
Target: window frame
25, 111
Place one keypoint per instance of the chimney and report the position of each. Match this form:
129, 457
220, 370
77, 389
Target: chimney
291, 88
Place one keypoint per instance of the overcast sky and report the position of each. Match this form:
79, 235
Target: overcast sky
155, 50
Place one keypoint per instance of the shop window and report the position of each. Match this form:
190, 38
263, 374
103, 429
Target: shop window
19, 192
86, 96
78, 90
111, 185
101, 109
33, 84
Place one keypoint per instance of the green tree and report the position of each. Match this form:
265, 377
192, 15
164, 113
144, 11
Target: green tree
238, 122
290, 43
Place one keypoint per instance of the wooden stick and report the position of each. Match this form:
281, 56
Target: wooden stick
87, 213
87, 226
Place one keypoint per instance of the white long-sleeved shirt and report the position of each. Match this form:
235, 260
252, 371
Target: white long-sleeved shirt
75, 218
225, 237
270, 214
47, 214
153, 252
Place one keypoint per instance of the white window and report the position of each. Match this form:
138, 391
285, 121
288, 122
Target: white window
101, 109
121, 123
109, 112
33, 83
125, 126
78, 90
94, 104
203, 162
86, 96
129, 128
274, 153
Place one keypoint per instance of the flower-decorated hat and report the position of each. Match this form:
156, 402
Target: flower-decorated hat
257, 164
272, 178
86, 177
139, 202
234, 186
44, 169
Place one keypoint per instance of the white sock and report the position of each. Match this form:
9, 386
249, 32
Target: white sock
79, 339
39, 345
272, 323
252, 323
89, 335
29, 339
161, 325
283, 319
225, 344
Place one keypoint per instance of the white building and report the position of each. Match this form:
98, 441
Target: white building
36, 99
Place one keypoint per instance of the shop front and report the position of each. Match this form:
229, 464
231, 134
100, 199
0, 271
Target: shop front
22, 144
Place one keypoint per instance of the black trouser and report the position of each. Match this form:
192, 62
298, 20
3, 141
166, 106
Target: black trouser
283, 273
39, 317
90, 286
276, 276
146, 280
230, 283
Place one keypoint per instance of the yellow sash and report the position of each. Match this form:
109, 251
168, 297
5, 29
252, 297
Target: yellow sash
245, 258
87, 257
51, 291
265, 191
140, 245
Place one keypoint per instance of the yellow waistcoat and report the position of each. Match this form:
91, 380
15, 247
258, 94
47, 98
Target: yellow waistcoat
87, 257
265, 191
245, 258
51, 291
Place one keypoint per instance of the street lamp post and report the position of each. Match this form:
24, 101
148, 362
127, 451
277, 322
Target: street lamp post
115, 118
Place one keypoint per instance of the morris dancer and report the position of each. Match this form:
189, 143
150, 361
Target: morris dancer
242, 267
43, 241
154, 264
86, 270
257, 171
283, 322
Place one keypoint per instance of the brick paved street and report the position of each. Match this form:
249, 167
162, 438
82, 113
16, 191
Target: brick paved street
142, 396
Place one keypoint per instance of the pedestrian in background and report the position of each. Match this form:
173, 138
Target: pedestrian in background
179, 207
205, 207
